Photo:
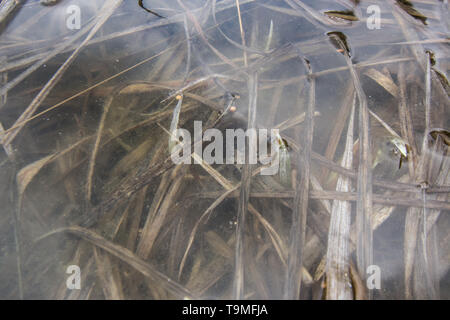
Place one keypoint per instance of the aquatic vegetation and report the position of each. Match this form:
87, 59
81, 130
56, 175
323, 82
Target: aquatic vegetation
88, 124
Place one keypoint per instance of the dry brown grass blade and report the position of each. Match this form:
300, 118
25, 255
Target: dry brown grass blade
358, 283
297, 233
133, 228
364, 185
338, 252
411, 230
317, 187
127, 256
426, 277
26, 174
421, 275
8, 8
415, 215
442, 179
384, 124
157, 199
176, 245
238, 281
429, 56
95, 149
410, 242
241, 29
406, 125
383, 81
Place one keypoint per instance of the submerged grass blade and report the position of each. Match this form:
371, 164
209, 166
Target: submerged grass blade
297, 233
95, 150
238, 281
364, 186
338, 252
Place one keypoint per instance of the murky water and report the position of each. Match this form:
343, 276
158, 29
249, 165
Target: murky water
89, 90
